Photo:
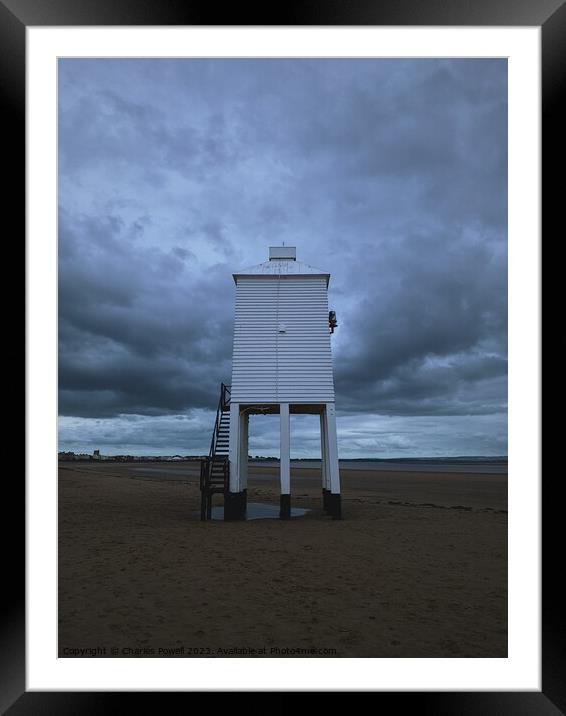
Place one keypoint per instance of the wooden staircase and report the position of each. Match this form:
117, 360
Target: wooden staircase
215, 469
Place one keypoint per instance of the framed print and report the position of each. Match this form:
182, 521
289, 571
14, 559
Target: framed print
135, 215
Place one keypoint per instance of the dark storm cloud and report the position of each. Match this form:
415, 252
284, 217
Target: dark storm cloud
432, 335
137, 332
391, 174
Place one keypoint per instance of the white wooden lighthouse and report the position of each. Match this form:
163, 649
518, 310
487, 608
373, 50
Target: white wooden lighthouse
282, 364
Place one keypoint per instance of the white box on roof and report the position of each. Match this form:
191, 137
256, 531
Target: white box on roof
283, 252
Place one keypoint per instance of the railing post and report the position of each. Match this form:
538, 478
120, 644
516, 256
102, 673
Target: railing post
203, 497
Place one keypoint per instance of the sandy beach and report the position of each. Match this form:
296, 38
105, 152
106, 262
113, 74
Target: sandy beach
417, 567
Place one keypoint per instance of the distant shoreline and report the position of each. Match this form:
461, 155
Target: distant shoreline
503, 459
432, 460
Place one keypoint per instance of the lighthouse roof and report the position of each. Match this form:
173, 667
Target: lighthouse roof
284, 266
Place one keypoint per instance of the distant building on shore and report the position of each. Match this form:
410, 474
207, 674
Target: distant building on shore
67, 456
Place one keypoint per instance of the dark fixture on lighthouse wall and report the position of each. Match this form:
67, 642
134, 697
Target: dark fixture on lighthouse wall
332, 320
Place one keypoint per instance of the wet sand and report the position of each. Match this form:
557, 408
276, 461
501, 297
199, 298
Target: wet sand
417, 567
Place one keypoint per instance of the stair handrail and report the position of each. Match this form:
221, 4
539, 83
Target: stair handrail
216, 427
223, 404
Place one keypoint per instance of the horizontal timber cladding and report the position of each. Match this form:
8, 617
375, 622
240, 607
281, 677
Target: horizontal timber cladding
281, 340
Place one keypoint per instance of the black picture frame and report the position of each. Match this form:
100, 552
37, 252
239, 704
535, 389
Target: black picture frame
550, 15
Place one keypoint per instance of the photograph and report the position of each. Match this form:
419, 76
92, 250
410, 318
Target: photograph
283, 354
282, 357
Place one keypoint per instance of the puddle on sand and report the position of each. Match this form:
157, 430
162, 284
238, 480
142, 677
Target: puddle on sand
260, 511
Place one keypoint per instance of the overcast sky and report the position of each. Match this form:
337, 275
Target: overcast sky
389, 174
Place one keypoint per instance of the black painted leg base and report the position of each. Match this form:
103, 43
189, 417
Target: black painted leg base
334, 502
325, 494
235, 505
285, 507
